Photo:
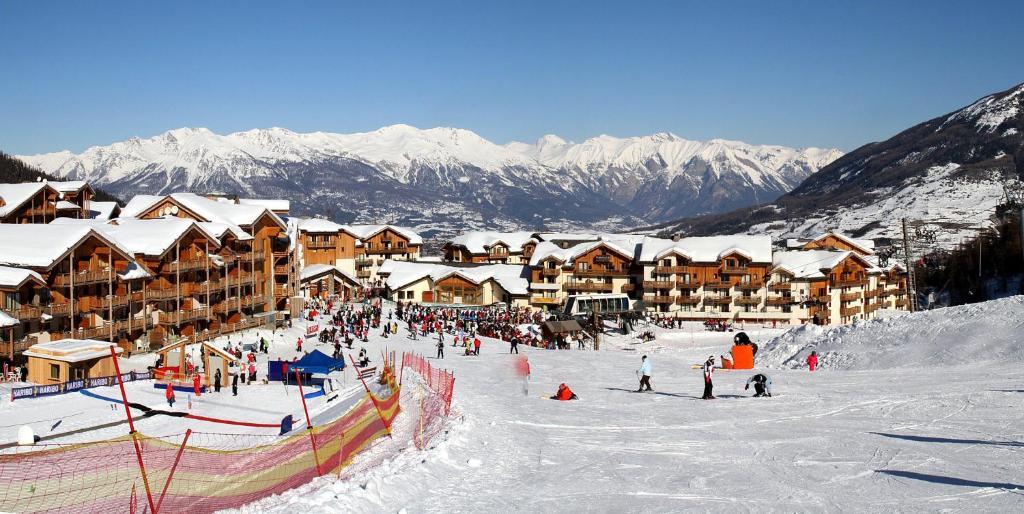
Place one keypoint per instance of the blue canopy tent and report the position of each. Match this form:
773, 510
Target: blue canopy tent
317, 362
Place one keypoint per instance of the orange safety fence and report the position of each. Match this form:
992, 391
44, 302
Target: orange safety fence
435, 405
208, 471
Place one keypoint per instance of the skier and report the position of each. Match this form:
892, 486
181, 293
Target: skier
440, 349
564, 393
216, 381
645, 374
709, 371
169, 394
812, 360
762, 385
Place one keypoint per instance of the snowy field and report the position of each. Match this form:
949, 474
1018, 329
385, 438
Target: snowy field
929, 419
916, 413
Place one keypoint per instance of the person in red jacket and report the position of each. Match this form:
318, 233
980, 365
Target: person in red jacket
812, 360
195, 384
169, 394
476, 346
564, 393
298, 345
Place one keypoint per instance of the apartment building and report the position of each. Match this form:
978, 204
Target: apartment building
429, 283
603, 266
355, 250
491, 247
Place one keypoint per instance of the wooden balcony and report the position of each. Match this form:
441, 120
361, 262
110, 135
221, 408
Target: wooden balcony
781, 286
849, 283
600, 273
257, 256
849, 311
687, 299
735, 270
659, 284
671, 270
544, 300
282, 269
849, 297
171, 317
778, 301
871, 307
320, 244
748, 300
659, 300
243, 279
628, 288
82, 278
387, 251
714, 299
186, 265
89, 304
749, 286
872, 293
161, 294
280, 291
114, 301
902, 304
549, 272
363, 260
58, 309
589, 287
25, 312
363, 273
717, 285
693, 284
227, 305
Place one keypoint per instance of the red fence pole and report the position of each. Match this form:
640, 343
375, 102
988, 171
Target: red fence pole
131, 428
309, 424
372, 399
170, 475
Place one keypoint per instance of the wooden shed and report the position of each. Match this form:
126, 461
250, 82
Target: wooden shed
69, 359
551, 329
213, 359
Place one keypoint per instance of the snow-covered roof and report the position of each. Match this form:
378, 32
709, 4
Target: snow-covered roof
134, 271
807, 264
151, 237
314, 270
72, 350
368, 231
548, 250
203, 207
511, 278
866, 246
68, 186
41, 246
318, 225
64, 205
219, 229
565, 236
275, 205
478, 243
795, 244
14, 195
708, 249
8, 321
102, 210
14, 278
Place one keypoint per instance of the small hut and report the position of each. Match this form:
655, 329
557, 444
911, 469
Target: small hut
213, 359
558, 332
172, 361
69, 359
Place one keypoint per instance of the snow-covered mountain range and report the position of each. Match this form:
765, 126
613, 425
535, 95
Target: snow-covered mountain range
448, 178
946, 175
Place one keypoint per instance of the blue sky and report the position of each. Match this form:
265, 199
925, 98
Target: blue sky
790, 72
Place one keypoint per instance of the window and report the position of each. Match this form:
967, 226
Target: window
582, 266
55, 371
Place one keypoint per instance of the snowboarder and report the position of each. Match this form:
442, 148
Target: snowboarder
645, 374
216, 381
564, 393
440, 349
709, 371
812, 361
762, 385
169, 394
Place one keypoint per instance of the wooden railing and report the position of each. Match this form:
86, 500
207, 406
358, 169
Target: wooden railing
749, 286
593, 287
82, 278
748, 300
781, 286
849, 311
58, 309
849, 283
544, 300
627, 288
687, 299
25, 312
693, 284
387, 251
735, 270
671, 270
363, 273
120, 300
549, 272
162, 293
717, 285
781, 300
659, 299
717, 299
186, 265
659, 284
600, 272
849, 297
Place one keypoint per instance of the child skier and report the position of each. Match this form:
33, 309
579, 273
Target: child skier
709, 371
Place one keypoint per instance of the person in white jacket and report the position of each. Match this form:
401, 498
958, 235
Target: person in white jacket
709, 371
645, 374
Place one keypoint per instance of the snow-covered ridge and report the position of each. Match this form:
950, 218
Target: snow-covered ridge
399, 147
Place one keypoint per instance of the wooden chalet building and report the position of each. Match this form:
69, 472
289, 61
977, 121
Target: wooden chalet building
586, 268
356, 250
491, 247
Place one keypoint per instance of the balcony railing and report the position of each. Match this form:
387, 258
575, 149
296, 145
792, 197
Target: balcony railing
120, 300
658, 300
280, 291
387, 251
713, 299
172, 317
748, 300
735, 270
849, 311
186, 265
659, 284
850, 283
671, 270
544, 300
749, 286
781, 286
320, 244
551, 272
600, 272
628, 288
282, 269
25, 312
82, 278
228, 305
58, 309
717, 285
871, 293
904, 303
781, 300
849, 297
687, 300
693, 284
591, 287
363, 273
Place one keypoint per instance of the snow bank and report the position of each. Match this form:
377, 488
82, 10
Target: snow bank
987, 332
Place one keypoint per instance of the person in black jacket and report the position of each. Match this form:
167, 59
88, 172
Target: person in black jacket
234, 385
216, 381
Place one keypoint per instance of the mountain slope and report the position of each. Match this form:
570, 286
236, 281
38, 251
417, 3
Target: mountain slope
948, 172
13, 170
446, 178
